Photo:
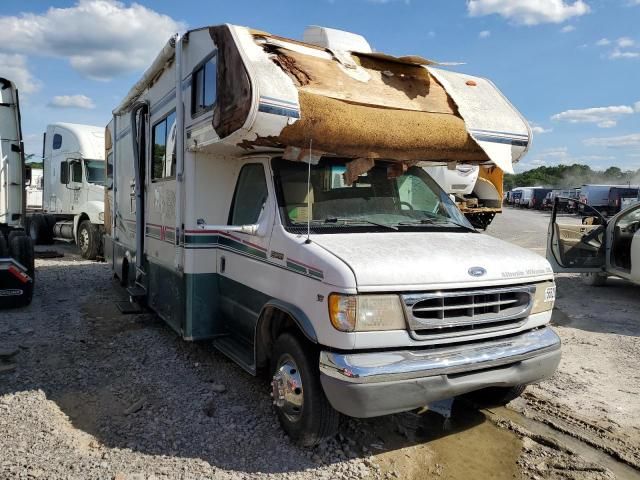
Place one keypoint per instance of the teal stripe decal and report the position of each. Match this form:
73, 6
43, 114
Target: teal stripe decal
216, 241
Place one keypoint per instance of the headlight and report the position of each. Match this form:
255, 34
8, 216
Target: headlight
101, 216
362, 313
544, 297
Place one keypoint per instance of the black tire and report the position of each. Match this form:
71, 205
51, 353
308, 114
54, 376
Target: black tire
4, 248
39, 230
317, 419
495, 396
21, 249
88, 240
15, 233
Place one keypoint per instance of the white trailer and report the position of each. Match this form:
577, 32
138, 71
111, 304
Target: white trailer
73, 188
268, 195
34, 190
17, 270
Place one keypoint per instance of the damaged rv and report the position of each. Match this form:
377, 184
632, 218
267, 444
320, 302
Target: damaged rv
268, 194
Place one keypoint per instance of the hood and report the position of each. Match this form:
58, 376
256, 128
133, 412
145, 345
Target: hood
426, 260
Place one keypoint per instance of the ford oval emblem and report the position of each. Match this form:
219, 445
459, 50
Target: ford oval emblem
476, 271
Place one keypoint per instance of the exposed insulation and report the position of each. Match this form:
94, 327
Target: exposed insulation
391, 84
354, 130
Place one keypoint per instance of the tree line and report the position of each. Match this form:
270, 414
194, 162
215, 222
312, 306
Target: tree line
566, 176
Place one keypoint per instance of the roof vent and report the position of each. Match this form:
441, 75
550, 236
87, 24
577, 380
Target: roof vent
336, 39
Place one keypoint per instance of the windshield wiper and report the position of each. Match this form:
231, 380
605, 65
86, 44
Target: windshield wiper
359, 220
429, 221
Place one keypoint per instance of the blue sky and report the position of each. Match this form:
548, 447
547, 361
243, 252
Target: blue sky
572, 67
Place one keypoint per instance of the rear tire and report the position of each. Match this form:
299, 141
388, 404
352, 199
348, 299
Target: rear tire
594, 279
39, 230
308, 418
495, 396
4, 249
21, 249
88, 240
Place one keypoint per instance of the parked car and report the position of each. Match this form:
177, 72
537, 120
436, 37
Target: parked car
596, 196
617, 195
599, 247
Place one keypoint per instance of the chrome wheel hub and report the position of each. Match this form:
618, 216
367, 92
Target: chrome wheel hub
287, 389
83, 239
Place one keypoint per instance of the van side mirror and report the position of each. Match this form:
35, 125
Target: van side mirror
27, 175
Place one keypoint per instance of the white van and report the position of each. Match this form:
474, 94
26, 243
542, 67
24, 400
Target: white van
291, 223
73, 188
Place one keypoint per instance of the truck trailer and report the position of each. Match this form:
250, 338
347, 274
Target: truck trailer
73, 188
268, 195
17, 269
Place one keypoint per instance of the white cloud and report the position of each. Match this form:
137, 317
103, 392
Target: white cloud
604, 117
100, 38
484, 34
567, 29
72, 101
529, 12
603, 42
539, 129
617, 53
632, 140
636, 106
14, 67
625, 42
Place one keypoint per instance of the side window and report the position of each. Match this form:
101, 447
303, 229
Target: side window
164, 148
204, 87
76, 171
250, 195
57, 141
64, 172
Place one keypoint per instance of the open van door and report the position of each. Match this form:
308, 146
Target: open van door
573, 246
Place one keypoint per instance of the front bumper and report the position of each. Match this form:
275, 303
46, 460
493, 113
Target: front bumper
381, 383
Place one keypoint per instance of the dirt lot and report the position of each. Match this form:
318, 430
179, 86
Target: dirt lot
92, 393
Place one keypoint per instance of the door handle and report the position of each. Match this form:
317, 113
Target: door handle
223, 264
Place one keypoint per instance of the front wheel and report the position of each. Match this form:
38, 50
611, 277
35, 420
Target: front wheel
89, 240
302, 407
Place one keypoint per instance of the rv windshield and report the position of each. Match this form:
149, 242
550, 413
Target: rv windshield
95, 171
381, 198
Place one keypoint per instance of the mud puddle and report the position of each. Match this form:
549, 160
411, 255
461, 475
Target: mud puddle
542, 433
446, 441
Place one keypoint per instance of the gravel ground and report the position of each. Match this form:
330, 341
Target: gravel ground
92, 393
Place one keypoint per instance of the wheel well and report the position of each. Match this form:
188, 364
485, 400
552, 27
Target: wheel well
271, 324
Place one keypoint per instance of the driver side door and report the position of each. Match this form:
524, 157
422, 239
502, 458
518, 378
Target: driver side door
574, 245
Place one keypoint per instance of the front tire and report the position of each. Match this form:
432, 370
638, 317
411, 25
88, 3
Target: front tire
88, 240
302, 407
594, 279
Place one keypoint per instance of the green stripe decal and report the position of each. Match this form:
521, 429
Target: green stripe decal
213, 241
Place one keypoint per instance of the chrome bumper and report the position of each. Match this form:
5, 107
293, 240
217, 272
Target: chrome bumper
390, 366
